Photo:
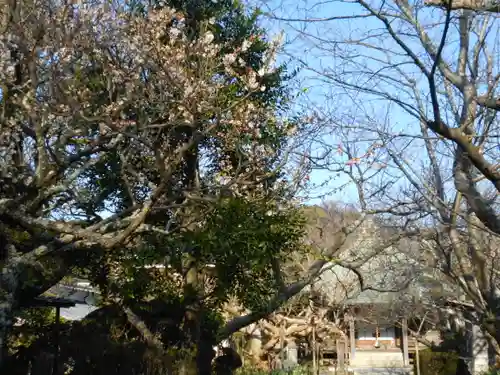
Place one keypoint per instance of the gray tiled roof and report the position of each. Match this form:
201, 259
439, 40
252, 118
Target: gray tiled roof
86, 299
388, 271
78, 312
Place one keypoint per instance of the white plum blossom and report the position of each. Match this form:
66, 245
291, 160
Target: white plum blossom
177, 89
174, 32
245, 45
252, 80
229, 59
208, 37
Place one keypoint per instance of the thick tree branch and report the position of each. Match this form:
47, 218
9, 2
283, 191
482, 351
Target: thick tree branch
291, 290
475, 5
143, 329
489, 102
473, 152
314, 271
479, 205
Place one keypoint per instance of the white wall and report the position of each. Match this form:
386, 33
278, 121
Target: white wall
366, 332
377, 359
479, 351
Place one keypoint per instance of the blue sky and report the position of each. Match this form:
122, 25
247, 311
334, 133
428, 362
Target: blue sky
361, 108
333, 186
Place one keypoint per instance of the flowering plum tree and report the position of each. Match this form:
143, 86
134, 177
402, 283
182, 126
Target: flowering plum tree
134, 138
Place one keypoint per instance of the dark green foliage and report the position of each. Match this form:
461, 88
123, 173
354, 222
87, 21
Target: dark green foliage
438, 363
103, 343
32, 335
242, 239
35, 324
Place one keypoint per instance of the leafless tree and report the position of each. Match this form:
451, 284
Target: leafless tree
420, 82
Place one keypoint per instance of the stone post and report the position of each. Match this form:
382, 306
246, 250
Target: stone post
404, 334
352, 337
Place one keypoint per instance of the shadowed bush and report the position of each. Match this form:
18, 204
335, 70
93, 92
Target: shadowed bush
438, 363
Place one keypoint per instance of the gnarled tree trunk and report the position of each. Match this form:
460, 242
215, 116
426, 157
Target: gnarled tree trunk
9, 284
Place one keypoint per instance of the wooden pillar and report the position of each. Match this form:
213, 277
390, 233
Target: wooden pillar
417, 356
55, 363
346, 351
314, 351
352, 337
404, 333
282, 344
340, 354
